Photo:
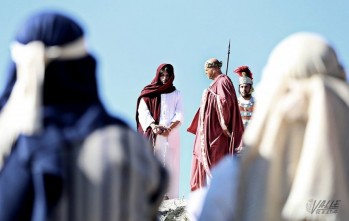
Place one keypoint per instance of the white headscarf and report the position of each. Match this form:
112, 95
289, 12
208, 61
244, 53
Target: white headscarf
22, 112
298, 143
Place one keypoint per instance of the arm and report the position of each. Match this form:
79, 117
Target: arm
167, 130
178, 116
144, 116
226, 99
230, 121
146, 120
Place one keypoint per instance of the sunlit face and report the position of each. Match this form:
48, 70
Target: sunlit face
164, 77
245, 90
209, 72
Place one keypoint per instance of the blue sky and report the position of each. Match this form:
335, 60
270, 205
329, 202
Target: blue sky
131, 38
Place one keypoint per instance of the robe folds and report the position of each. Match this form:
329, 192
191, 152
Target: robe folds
218, 129
167, 148
66, 158
161, 103
96, 169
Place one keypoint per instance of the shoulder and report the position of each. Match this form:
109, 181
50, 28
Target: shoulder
122, 140
224, 79
176, 92
224, 83
252, 100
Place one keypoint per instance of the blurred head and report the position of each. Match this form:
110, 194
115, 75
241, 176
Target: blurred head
302, 55
51, 67
298, 57
67, 80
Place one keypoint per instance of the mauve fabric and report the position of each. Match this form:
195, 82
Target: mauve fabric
219, 107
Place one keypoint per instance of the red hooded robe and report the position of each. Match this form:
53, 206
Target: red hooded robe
151, 94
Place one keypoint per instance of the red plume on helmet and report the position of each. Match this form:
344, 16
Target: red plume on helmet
244, 71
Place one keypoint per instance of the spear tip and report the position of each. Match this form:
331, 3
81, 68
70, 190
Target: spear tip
226, 70
229, 47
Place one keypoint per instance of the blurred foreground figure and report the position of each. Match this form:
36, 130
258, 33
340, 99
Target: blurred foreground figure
296, 163
63, 157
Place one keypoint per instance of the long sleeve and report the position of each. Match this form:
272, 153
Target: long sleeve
145, 118
225, 104
178, 116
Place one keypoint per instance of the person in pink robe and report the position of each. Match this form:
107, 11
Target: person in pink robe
217, 125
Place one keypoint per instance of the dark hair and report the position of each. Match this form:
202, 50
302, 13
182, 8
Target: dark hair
167, 68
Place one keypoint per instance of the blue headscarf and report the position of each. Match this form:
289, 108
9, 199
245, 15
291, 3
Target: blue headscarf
70, 82
71, 111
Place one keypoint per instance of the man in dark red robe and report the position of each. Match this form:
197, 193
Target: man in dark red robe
217, 125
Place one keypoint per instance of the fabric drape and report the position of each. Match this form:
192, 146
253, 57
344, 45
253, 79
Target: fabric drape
151, 94
218, 127
84, 161
298, 146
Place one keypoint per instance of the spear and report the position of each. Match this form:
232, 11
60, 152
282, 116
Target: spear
226, 70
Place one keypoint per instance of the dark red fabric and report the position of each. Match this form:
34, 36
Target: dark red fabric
194, 124
212, 143
152, 97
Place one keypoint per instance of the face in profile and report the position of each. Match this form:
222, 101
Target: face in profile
245, 90
209, 72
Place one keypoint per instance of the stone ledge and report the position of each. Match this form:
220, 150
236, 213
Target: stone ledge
173, 210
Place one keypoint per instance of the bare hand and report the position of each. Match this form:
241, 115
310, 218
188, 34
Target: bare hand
166, 131
157, 130
239, 149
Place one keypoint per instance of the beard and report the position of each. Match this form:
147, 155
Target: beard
246, 95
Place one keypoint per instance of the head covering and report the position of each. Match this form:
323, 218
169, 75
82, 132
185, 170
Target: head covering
50, 68
152, 97
298, 142
83, 156
56, 29
245, 75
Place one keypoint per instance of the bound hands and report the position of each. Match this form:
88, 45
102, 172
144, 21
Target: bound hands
160, 130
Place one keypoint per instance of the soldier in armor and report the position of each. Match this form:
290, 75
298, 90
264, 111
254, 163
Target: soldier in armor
246, 100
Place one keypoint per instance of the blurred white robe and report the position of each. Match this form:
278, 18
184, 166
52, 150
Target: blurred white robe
298, 138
